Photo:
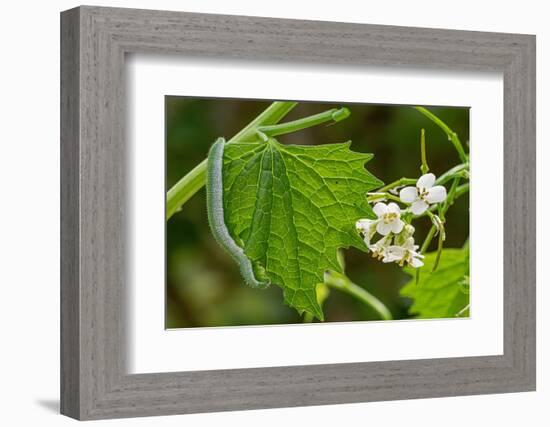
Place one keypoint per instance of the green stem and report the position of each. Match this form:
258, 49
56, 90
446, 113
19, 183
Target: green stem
187, 186
440, 241
342, 283
378, 196
450, 199
397, 183
424, 247
456, 171
460, 190
335, 115
445, 177
428, 239
439, 224
455, 193
424, 167
453, 137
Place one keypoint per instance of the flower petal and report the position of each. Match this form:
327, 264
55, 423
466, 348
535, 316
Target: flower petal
397, 226
383, 228
419, 207
363, 225
409, 244
436, 194
394, 253
415, 262
369, 233
408, 194
394, 208
380, 209
426, 181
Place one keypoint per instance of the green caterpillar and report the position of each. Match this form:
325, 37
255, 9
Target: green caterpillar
216, 219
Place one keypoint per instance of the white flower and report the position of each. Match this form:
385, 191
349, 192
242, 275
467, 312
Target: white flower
424, 194
389, 218
379, 248
405, 253
367, 227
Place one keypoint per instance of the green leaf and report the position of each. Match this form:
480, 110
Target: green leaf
291, 207
443, 293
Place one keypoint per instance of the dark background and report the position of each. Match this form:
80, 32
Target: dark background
204, 287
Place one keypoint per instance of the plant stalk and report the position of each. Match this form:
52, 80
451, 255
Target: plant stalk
454, 172
424, 168
342, 283
193, 181
397, 183
453, 137
334, 114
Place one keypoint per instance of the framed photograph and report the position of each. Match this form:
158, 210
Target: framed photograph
262, 213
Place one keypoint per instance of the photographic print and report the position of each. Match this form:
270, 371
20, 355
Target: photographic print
287, 212
278, 214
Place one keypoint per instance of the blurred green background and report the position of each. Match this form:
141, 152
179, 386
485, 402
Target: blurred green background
203, 284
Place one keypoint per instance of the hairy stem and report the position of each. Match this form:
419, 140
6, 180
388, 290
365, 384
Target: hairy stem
193, 181
342, 283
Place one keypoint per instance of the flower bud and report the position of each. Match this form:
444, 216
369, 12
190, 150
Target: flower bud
408, 231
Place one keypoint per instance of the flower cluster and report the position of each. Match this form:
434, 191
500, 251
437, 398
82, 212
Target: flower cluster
397, 241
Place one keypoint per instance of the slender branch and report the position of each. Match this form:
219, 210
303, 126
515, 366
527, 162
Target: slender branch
449, 200
187, 186
440, 241
453, 137
428, 239
460, 190
455, 193
424, 168
397, 183
335, 115
342, 283
440, 231
456, 171
378, 196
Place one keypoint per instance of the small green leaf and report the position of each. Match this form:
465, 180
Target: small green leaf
291, 207
443, 293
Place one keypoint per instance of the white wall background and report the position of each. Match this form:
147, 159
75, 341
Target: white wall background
29, 212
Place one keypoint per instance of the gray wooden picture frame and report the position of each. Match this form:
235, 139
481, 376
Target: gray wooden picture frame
94, 381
